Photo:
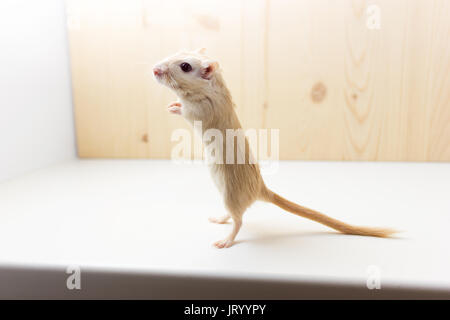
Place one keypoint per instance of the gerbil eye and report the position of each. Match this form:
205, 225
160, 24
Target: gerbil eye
186, 67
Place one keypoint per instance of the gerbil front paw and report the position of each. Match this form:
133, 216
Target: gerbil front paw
226, 243
175, 108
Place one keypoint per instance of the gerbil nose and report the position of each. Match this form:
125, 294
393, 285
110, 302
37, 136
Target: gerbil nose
157, 71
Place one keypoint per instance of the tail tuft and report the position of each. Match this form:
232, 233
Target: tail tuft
370, 231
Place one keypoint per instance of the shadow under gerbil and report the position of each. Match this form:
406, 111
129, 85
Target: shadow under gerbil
263, 238
259, 234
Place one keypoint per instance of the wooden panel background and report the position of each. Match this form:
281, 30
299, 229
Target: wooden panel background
336, 89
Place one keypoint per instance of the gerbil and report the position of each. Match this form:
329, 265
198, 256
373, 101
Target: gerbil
203, 96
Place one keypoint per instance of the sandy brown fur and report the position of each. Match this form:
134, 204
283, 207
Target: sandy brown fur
210, 102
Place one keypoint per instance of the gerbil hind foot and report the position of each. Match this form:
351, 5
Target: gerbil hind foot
229, 241
225, 243
220, 220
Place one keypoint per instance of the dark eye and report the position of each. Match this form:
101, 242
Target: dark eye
186, 67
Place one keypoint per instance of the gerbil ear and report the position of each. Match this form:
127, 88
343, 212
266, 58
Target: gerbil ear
208, 68
201, 50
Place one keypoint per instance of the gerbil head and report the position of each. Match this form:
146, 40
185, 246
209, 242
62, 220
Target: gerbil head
187, 72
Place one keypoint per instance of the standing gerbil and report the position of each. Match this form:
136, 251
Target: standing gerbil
203, 96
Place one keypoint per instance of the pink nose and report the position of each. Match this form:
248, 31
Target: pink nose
157, 71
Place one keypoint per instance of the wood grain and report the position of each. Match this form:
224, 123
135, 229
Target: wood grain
336, 89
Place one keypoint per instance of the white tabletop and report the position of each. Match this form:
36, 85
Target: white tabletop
151, 216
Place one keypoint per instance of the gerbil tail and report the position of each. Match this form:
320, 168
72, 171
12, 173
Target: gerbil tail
294, 208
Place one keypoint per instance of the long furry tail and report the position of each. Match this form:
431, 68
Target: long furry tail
340, 226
